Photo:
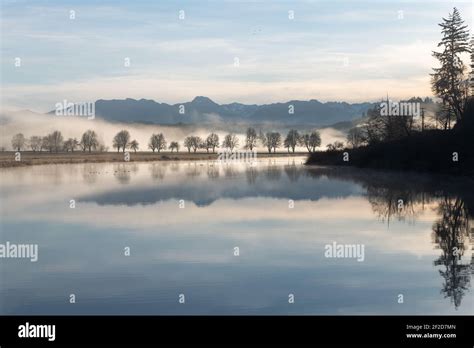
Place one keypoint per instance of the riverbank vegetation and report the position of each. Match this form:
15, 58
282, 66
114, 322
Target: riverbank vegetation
398, 135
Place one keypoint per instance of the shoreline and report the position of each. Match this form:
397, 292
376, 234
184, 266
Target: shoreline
433, 151
30, 158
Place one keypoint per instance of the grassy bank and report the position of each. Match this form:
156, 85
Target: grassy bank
7, 158
431, 151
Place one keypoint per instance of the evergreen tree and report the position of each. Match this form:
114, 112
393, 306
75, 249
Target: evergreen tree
472, 66
448, 80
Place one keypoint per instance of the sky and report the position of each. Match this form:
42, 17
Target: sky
231, 51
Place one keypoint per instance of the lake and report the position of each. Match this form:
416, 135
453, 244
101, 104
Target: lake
234, 238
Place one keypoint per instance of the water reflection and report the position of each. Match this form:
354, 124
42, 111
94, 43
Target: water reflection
213, 171
251, 174
392, 196
405, 196
273, 173
451, 234
414, 227
292, 171
158, 171
124, 171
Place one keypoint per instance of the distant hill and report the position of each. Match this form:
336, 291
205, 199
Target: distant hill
202, 110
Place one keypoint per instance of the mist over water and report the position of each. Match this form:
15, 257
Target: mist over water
31, 124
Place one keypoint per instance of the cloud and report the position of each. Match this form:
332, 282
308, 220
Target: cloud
175, 60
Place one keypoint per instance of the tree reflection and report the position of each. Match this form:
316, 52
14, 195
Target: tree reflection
387, 202
453, 201
158, 171
251, 173
174, 167
273, 173
213, 171
122, 172
90, 173
292, 171
451, 234
230, 171
193, 170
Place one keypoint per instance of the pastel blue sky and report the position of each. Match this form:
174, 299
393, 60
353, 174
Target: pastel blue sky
331, 50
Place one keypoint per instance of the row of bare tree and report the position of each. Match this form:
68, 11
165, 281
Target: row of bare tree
270, 140
89, 141
54, 142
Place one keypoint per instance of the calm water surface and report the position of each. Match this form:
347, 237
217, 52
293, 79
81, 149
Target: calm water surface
190, 250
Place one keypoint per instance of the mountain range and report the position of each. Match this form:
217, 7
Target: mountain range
202, 110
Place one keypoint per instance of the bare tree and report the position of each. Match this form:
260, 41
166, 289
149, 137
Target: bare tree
382, 125
66, 145
311, 141
35, 143
71, 144
46, 143
188, 143
82, 145
356, 137
266, 141
273, 141
286, 144
230, 141
174, 145
161, 142
134, 145
337, 145
89, 140
18, 141
152, 144
157, 142
122, 140
292, 139
250, 139
212, 141
196, 142
55, 140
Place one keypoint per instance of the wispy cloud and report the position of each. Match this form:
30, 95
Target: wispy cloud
342, 50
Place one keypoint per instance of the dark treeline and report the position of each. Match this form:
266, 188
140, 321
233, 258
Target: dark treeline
402, 136
122, 141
